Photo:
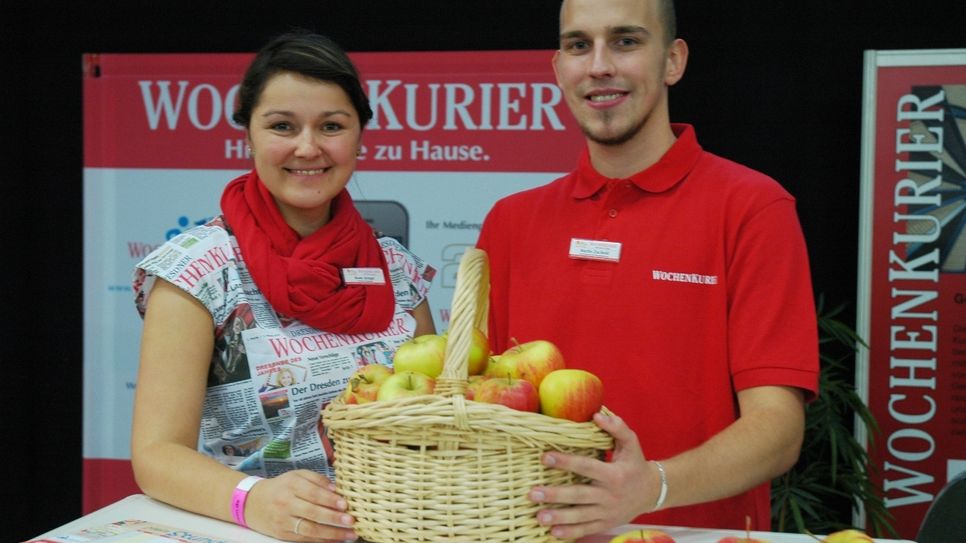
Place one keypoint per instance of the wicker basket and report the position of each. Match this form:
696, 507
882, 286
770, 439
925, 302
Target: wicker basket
441, 468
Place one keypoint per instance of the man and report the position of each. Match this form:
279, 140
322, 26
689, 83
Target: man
678, 277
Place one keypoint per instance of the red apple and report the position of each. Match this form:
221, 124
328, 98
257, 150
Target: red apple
571, 394
847, 536
532, 361
423, 354
746, 539
473, 384
364, 383
518, 394
643, 536
405, 384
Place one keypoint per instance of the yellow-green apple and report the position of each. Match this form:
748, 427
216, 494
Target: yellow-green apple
532, 361
847, 536
473, 383
493, 367
571, 394
643, 536
364, 383
518, 394
479, 353
405, 384
423, 354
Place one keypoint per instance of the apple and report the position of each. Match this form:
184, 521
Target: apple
473, 383
423, 354
364, 383
847, 536
518, 394
746, 539
643, 536
532, 361
404, 385
479, 353
496, 368
571, 394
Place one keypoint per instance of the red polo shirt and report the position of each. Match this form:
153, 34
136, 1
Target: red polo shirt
710, 295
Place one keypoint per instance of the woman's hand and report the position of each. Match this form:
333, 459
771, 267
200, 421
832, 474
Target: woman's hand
299, 505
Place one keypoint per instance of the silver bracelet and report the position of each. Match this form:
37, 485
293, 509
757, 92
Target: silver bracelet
663, 495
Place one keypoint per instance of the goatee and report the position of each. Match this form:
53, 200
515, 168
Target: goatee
611, 139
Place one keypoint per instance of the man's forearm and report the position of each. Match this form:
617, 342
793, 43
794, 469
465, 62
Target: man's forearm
762, 444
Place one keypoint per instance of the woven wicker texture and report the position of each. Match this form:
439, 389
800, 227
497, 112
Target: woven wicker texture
440, 468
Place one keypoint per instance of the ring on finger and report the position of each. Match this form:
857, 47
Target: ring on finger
298, 522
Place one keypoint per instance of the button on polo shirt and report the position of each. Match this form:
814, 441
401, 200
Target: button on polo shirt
615, 195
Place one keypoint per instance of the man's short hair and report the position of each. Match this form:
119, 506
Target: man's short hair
669, 19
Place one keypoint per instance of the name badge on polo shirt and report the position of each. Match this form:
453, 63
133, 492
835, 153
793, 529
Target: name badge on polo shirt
589, 249
363, 276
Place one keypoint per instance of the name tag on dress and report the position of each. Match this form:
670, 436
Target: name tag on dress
363, 276
589, 249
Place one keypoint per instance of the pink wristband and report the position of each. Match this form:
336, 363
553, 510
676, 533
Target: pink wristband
238, 498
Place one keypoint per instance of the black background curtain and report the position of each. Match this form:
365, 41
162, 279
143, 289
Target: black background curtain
774, 85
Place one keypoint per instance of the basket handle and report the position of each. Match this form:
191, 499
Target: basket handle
469, 310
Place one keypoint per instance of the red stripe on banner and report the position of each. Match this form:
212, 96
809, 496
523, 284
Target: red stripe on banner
107, 481
438, 111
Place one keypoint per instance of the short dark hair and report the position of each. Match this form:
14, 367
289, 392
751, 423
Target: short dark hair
670, 19
307, 54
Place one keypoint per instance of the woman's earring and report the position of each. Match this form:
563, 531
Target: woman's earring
250, 152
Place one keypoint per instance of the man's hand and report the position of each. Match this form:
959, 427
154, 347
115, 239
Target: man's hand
763, 443
618, 491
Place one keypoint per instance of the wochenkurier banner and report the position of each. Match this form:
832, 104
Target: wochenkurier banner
451, 133
912, 274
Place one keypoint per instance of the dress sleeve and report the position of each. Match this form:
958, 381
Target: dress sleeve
200, 261
411, 276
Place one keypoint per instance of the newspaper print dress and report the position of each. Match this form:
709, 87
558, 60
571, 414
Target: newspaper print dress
270, 376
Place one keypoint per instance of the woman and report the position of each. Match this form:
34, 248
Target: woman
281, 378
282, 255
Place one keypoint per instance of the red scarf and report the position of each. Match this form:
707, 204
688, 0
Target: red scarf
302, 277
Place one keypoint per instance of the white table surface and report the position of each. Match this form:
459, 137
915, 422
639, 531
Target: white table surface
139, 506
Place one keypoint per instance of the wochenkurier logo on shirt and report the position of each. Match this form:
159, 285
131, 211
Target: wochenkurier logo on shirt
678, 277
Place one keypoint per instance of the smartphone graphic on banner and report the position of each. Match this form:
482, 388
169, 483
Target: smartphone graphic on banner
389, 218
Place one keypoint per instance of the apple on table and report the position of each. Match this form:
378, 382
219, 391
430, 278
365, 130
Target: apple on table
405, 385
737, 539
746, 539
423, 354
643, 536
850, 535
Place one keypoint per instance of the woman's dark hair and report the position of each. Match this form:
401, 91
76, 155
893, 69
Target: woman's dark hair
305, 53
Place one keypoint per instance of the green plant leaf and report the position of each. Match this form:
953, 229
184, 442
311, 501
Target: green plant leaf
832, 475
